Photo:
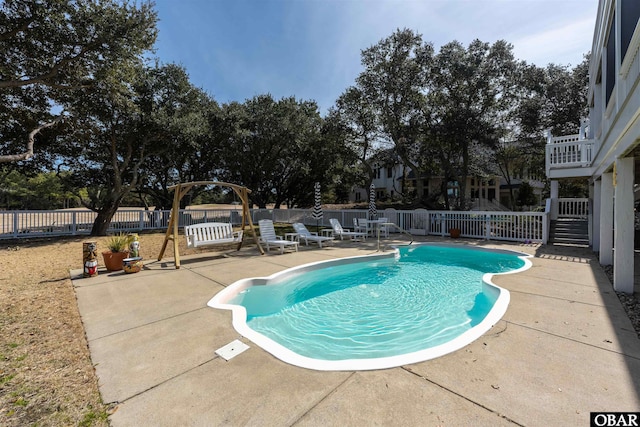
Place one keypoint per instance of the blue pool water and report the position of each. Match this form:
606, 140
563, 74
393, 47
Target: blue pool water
377, 307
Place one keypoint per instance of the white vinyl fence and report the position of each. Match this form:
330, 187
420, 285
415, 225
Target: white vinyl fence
490, 225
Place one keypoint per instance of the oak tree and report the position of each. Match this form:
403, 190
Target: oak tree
49, 49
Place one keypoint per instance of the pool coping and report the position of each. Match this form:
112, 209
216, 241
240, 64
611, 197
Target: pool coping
239, 315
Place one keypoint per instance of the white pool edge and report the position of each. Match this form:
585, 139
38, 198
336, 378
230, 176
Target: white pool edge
239, 316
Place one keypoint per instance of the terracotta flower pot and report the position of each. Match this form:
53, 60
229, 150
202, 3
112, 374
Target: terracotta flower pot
454, 233
113, 260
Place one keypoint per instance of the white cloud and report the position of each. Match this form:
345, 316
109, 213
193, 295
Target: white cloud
562, 45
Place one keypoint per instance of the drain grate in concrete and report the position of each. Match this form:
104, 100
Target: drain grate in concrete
232, 349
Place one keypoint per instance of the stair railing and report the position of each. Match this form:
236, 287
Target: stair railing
400, 229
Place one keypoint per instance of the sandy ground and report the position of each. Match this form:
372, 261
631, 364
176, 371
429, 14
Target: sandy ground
46, 375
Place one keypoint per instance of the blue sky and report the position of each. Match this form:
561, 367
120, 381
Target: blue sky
310, 49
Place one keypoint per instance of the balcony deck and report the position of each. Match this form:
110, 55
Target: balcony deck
569, 156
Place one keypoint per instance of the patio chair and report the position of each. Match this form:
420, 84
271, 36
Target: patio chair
270, 239
342, 232
384, 229
361, 225
308, 236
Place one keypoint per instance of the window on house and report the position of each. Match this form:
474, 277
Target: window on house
358, 198
389, 172
452, 189
610, 76
630, 14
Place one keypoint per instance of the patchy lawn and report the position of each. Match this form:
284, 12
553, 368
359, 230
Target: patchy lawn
46, 375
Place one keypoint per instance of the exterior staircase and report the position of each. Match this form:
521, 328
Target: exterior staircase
570, 232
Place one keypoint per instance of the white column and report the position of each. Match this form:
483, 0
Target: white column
596, 216
590, 214
554, 194
606, 219
624, 227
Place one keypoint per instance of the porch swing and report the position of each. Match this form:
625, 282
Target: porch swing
207, 234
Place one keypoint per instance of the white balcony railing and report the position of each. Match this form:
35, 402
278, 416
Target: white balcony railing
569, 152
566, 138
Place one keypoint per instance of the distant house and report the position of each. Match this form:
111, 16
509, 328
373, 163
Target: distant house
486, 193
605, 151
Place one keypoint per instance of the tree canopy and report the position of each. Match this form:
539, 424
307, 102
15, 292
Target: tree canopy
158, 114
275, 148
442, 112
394, 81
80, 99
49, 49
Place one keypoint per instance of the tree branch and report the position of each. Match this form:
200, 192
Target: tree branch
20, 27
46, 77
30, 142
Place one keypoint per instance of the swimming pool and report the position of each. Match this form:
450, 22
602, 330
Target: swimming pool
376, 311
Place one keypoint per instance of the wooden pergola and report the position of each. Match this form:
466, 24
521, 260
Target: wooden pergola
180, 191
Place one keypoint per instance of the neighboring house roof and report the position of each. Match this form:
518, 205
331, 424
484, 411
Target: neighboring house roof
515, 183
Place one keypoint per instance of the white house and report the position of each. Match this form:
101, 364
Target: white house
487, 193
605, 151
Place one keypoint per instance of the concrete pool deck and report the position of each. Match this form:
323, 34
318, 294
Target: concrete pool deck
564, 348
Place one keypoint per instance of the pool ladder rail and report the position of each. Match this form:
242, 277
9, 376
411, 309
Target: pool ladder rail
396, 226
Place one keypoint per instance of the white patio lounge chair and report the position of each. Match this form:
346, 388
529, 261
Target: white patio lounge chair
308, 236
342, 232
270, 239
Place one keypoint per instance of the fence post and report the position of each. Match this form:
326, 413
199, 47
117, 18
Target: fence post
141, 219
74, 223
442, 220
545, 228
15, 224
554, 196
487, 227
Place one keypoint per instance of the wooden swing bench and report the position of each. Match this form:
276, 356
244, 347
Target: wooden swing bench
208, 233
211, 234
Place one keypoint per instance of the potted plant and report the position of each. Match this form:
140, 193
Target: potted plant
454, 232
118, 246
